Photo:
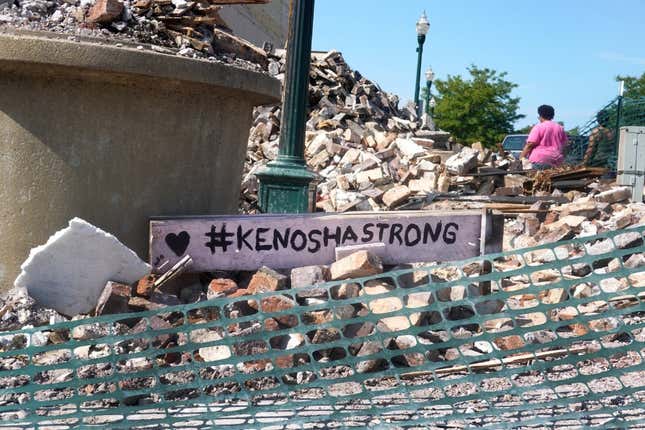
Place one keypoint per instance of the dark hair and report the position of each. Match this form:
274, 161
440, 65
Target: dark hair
547, 112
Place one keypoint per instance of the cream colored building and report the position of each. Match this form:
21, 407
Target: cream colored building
259, 23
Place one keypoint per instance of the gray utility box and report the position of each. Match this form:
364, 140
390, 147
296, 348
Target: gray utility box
631, 160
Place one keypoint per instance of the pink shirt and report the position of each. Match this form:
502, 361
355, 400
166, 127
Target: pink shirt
551, 140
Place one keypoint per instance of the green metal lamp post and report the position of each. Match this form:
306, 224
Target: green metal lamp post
423, 26
285, 182
429, 80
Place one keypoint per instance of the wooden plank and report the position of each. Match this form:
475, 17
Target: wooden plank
225, 42
523, 200
288, 241
495, 363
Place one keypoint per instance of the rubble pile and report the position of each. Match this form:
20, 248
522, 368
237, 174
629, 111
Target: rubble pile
605, 208
187, 28
370, 154
302, 287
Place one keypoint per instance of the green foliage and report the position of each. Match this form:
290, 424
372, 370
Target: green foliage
523, 130
574, 131
634, 86
477, 109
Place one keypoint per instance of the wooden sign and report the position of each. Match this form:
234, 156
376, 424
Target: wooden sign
288, 241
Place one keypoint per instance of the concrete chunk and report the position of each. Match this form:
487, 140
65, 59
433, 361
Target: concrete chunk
396, 195
614, 195
463, 162
357, 265
409, 148
307, 276
69, 272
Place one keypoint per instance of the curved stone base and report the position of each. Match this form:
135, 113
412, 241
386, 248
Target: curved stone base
114, 136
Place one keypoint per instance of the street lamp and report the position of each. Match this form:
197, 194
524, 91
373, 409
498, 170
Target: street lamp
423, 26
429, 80
286, 183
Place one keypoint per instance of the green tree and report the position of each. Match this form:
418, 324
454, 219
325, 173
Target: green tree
477, 109
523, 130
634, 86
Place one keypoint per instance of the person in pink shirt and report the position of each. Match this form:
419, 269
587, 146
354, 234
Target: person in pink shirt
546, 142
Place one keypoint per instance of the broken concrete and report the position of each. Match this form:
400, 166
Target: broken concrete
69, 272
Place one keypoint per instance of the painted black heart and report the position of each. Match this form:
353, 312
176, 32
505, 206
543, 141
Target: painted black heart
178, 243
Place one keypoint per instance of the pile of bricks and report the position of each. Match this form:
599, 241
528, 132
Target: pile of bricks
370, 154
187, 28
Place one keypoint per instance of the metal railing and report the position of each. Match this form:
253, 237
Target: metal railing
596, 142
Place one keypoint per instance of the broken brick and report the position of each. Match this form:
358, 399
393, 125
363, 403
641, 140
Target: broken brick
114, 299
267, 280
105, 11
357, 265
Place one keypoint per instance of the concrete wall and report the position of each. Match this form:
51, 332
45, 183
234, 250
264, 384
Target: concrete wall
114, 136
260, 23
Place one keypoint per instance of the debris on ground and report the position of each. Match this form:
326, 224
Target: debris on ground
359, 141
121, 283
192, 29
375, 316
372, 155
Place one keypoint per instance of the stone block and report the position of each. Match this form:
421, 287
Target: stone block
351, 156
386, 305
357, 265
427, 184
395, 196
346, 291
409, 149
310, 275
374, 175
634, 261
267, 280
343, 182
371, 365
509, 342
210, 353
419, 300
320, 142
511, 181
279, 304
614, 195
69, 272
463, 162
104, 11
554, 296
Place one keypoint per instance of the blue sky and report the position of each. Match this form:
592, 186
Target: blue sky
565, 52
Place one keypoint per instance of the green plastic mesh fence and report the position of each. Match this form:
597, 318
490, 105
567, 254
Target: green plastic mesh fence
596, 143
546, 337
